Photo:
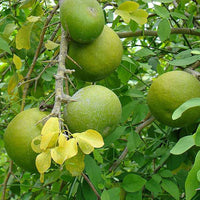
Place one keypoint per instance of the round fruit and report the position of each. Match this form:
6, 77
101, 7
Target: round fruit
97, 59
18, 136
95, 107
168, 92
83, 19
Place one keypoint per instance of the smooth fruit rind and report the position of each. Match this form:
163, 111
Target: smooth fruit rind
82, 19
95, 107
97, 59
18, 136
168, 92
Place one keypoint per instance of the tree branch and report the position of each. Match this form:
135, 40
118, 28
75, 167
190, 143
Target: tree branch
187, 31
37, 55
6, 180
60, 76
91, 185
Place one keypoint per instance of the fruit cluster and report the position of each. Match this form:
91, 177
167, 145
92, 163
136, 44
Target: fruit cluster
98, 51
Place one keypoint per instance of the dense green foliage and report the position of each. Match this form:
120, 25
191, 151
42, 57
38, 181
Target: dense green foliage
140, 160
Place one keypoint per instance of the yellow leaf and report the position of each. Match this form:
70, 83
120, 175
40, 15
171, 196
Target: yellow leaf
42, 177
51, 126
129, 10
76, 165
35, 144
51, 45
67, 150
33, 18
92, 137
27, 3
23, 36
13, 82
17, 61
84, 146
128, 6
49, 140
139, 16
43, 161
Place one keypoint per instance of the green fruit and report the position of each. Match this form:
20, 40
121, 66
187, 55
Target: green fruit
18, 136
95, 107
97, 59
168, 92
83, 19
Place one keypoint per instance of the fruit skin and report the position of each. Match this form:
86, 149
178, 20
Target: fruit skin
96, 107
168, 92
18, 136
83, 19
97, 59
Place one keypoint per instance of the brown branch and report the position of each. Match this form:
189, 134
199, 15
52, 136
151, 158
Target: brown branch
187, 31
6, 181
60, 96
37, 55
91, 185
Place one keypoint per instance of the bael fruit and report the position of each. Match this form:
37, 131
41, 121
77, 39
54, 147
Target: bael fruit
95, 107
18, 136
97, 59
168, 92
82, 19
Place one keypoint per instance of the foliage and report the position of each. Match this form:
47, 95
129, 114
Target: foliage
142, 158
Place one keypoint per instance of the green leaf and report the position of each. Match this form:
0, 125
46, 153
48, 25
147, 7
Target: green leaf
105, 195
114, 193
93, 171
115, 135
194, 102
23, 36
164, 30
178, 15
132, 92
144, 52
133, 141
4, 46
166, 173
183, 145
192, 183
171, 188
185, 61
133, 183
153, 187
134, 195
162, 11
196, 136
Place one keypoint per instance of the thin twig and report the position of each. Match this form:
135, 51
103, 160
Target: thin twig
187, 31
25, 90
6, 180
91, 185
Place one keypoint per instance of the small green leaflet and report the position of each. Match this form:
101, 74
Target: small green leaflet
194, 102
183, 145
